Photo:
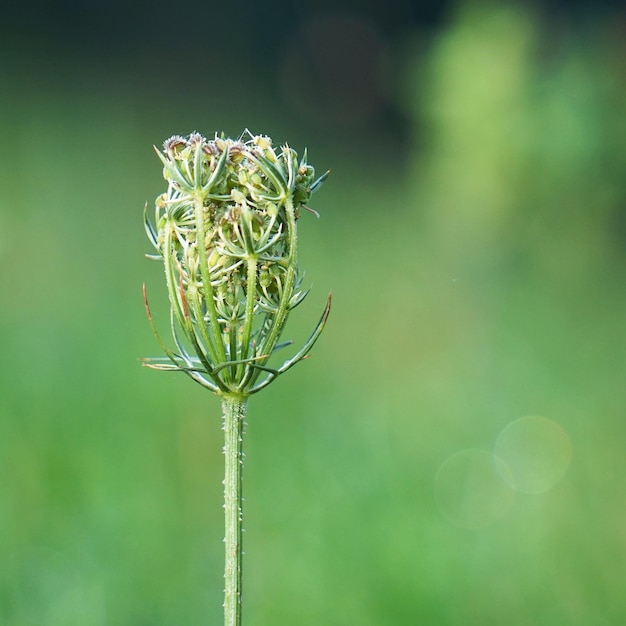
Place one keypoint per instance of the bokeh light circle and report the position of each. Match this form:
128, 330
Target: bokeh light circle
470, 491
537, 452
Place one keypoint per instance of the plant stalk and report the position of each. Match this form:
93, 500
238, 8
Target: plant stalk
234, 412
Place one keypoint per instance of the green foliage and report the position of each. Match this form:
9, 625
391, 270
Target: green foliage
484, 285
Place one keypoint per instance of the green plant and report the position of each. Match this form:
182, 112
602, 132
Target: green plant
226, 231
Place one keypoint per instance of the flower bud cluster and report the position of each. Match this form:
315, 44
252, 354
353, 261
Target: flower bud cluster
226, 232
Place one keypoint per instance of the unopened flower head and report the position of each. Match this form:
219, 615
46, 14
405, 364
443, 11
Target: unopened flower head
226, 232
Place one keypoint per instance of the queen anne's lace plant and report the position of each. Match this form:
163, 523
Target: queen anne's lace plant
226, 232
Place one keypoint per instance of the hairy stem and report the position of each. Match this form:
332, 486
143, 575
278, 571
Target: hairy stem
234, 411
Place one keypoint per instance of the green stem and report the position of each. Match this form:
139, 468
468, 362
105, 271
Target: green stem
234, 411
280, 317
208, 288
242, 374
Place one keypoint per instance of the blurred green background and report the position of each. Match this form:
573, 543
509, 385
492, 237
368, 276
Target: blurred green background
453, 453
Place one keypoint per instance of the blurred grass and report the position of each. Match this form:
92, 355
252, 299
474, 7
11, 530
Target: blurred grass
479, 283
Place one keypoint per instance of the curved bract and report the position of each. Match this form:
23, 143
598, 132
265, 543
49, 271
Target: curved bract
226, 233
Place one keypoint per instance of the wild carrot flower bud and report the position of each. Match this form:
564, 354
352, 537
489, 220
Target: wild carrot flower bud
226, 233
